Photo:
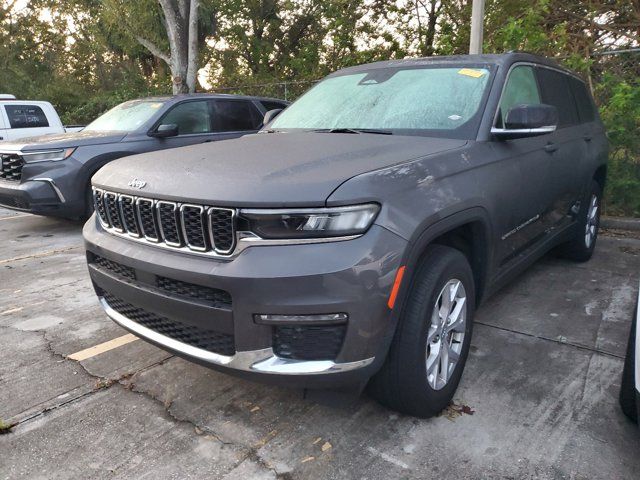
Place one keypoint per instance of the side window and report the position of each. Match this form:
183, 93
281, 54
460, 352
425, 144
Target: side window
555, 91
26, 116
586, 108
269, 105
234, 115
191, 117
521, 89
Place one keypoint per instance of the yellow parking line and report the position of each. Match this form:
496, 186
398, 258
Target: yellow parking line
39, 255
103, 347
9, 217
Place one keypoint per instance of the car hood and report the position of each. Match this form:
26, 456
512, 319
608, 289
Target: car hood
63, 140
277, 169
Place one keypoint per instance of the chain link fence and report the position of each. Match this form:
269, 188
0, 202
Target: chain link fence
614, 79
287, 90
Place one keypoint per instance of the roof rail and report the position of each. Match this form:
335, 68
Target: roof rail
7, 96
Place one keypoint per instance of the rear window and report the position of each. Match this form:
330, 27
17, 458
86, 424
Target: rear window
234, 115
26, 116
269, 105
586, 109
556, 92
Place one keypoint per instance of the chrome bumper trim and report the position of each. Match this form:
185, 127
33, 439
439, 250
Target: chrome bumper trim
50, 181
259, 361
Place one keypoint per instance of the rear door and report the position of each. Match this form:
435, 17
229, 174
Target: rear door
236, 117
566, 147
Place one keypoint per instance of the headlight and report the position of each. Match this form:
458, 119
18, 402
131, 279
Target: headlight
47, 155
310, 223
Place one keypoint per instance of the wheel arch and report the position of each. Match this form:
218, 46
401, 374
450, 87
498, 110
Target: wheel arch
468, 231
600, 176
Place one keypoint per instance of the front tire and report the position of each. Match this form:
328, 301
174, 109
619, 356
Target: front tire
431, 344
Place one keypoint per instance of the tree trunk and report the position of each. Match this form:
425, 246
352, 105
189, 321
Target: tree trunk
181, 22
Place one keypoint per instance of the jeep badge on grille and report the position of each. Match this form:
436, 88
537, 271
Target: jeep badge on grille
135, 183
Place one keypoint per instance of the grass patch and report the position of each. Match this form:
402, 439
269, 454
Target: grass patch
5, 427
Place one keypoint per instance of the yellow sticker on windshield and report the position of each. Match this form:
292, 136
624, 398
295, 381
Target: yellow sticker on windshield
469, 72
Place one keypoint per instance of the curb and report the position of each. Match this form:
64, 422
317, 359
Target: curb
620, 223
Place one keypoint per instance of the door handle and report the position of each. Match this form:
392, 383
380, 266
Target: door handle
550, 147
586, 137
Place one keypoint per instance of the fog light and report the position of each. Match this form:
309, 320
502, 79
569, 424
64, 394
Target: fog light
320, 319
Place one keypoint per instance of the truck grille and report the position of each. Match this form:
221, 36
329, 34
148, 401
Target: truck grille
210, 340
11, 166
197, 228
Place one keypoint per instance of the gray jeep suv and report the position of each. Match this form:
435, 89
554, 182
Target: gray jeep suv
50, 174
350, 241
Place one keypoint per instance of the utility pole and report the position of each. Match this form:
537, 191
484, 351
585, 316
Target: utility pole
477, 22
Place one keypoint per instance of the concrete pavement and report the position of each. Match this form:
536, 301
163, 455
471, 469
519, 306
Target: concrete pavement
539, 390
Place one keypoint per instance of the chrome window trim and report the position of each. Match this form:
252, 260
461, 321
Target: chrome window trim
135, 216
202, 223
159, 204
154, 218
233, 230
533, 65
262, 361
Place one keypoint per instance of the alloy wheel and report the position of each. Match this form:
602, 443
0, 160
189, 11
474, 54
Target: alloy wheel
446, 333
591, 229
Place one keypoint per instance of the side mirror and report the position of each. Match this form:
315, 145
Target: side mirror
528, 121
270, 115
165, 130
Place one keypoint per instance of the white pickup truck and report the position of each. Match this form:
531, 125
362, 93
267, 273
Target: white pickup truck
27, 118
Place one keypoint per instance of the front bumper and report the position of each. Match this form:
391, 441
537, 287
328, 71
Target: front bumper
40, 195
352, 277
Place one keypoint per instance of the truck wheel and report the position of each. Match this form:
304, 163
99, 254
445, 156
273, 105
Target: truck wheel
581, 247
627, 387
430, 347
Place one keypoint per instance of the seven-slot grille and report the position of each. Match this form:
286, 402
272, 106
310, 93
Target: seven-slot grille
198, 228
11, 166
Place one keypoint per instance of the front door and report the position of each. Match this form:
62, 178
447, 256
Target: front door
523, 219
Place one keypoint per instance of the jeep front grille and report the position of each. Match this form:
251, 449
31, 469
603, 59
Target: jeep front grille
11, 166
187, 227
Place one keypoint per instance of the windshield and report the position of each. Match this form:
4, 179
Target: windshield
440, 101
127, 116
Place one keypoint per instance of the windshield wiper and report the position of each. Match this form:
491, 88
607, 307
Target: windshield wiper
354, 130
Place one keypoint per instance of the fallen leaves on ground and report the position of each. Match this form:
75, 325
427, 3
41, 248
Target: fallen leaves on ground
455, 410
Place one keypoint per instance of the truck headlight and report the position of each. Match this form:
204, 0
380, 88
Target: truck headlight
47, 155
310, 223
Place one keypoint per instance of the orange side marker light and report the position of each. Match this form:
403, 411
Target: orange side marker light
396, 287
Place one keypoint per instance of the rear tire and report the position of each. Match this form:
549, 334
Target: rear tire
414, 379
628, 398
581, 247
